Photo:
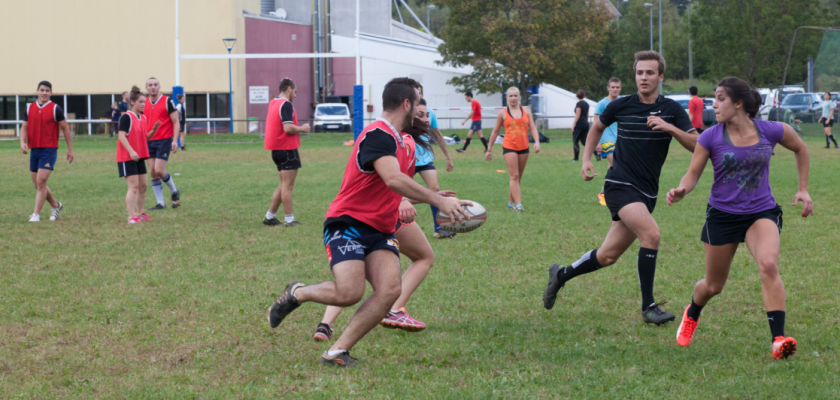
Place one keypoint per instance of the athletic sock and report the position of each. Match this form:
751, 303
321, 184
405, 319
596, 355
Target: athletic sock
169, 182
290, 218
332, 353
694, 310
646, 266
270, 215
467, 143
434, 217
511, 204
833, 139
777, 323
158, 189
519, 204
587, 263
484, 142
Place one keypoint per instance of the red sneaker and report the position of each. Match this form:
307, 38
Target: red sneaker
144, 218
686, 330
783, 347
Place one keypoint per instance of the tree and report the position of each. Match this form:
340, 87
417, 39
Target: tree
523, 43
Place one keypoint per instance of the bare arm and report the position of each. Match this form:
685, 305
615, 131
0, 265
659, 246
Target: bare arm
152, 132
24, 137
794, 143
592, 140
500, 120
176, 130
468, 117
442, 144
690, 179
68, 137
293, 129
126, 145
388, 169
533, 127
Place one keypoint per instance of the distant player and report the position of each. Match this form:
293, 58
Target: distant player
580, 126
827, 118
182, 122
695, 109
606, 146
282, 137
160, 108
475, 115
741, 205
132, 152
518, 123
359, 226
39, 135
647, 122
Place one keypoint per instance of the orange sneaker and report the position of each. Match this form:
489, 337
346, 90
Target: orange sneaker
783, 347
686, 330
601, 199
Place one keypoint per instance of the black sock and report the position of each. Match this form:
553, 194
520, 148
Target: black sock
833, 140
576, 154
587, 263
777, 323
646, 266
827, 141
694, 310
466, 143
484, 142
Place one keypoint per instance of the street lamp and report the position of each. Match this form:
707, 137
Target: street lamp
660, 40
229, 42
430, 7
650, 6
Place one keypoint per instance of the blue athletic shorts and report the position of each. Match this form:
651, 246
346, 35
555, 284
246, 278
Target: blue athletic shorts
607, 148
160, 149
346, 241
476, 126
42, 158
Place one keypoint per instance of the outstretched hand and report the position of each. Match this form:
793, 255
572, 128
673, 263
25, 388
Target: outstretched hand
807, 204
588, 171
676, 195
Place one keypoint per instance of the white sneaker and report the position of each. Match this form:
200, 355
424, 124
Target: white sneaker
34, 218
55, 211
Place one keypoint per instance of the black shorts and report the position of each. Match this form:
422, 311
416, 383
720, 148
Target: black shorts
828, 123
723, 228
427, 167
160, 149
506, 150
286, 159
131, 168
618, 195
348, 241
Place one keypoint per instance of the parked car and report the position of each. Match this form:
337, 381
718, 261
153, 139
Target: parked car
333, 117
802, 106
684, 98
771, 98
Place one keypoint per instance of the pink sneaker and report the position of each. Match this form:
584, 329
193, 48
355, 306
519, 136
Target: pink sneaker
134, 220
401, 320
144, 218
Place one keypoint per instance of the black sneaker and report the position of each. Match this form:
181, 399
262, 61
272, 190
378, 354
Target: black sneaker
176, 199
342, 360
157, 207
284, 305
184, 148
323, 333
554, 285
272, 222
292, 224
655, 315
460, 150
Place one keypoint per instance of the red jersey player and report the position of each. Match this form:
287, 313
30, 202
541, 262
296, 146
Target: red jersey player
132, 152
39, 134
160, 108
360, 224
282, 137
475, 127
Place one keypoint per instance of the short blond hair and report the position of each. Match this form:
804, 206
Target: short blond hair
648, 55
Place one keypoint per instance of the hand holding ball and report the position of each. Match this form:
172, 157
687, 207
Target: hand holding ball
476, 213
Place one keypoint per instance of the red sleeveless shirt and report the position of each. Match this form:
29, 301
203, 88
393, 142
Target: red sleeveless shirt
136, 136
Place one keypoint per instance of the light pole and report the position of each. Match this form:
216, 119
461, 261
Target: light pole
690, 64
650, 6
430, 7
660, 40
617, 21
229, 42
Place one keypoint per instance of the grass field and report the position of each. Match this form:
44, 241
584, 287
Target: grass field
175, 308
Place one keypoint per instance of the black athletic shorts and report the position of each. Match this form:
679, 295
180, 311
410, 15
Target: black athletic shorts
618, 195
475, 126
427, 167
286, 159
723, 228
506, 150
131, 168
160, 149
828, 123
354, 241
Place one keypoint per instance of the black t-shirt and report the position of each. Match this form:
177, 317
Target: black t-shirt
640, 151
287, 113
125, 123
583, 121
170, 107
376, 144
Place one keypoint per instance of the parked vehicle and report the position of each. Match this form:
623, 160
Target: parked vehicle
802, 106
771, 98
333, 117
708, 112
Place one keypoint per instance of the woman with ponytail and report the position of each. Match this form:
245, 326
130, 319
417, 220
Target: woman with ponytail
741, 205
132, 152
827, 119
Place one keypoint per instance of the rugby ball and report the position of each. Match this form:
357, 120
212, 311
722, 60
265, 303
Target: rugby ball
477, 213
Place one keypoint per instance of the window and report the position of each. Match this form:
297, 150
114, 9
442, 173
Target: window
77, 107
100, 106
7, 108
23, 103
219, 107
197, 105
331, 111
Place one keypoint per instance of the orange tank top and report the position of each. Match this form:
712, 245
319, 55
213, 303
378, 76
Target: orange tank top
516, 131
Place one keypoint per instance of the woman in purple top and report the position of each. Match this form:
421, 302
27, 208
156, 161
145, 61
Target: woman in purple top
741, 206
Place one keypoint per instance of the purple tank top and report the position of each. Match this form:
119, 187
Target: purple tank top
741, 183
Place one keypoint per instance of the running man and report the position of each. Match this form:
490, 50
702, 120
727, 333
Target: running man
827, 119
695, 109
580, 126
413, 244
515, 147
132, 152
359, 226
426, 166
475, 115
160, 108
282, 137
606, 146
741, 205
647, 122
39, 134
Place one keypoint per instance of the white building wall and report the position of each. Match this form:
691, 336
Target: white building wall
561, 103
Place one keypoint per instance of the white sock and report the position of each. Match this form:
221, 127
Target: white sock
158, 189
332, 353
270, 215
170, 182
394, 311
290, 218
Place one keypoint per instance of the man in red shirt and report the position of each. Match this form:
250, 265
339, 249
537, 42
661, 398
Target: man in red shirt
360, 224
695, 109
39, 133
282, 137
475, 114
165, 141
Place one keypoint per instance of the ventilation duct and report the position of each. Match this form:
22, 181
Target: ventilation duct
267, 7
